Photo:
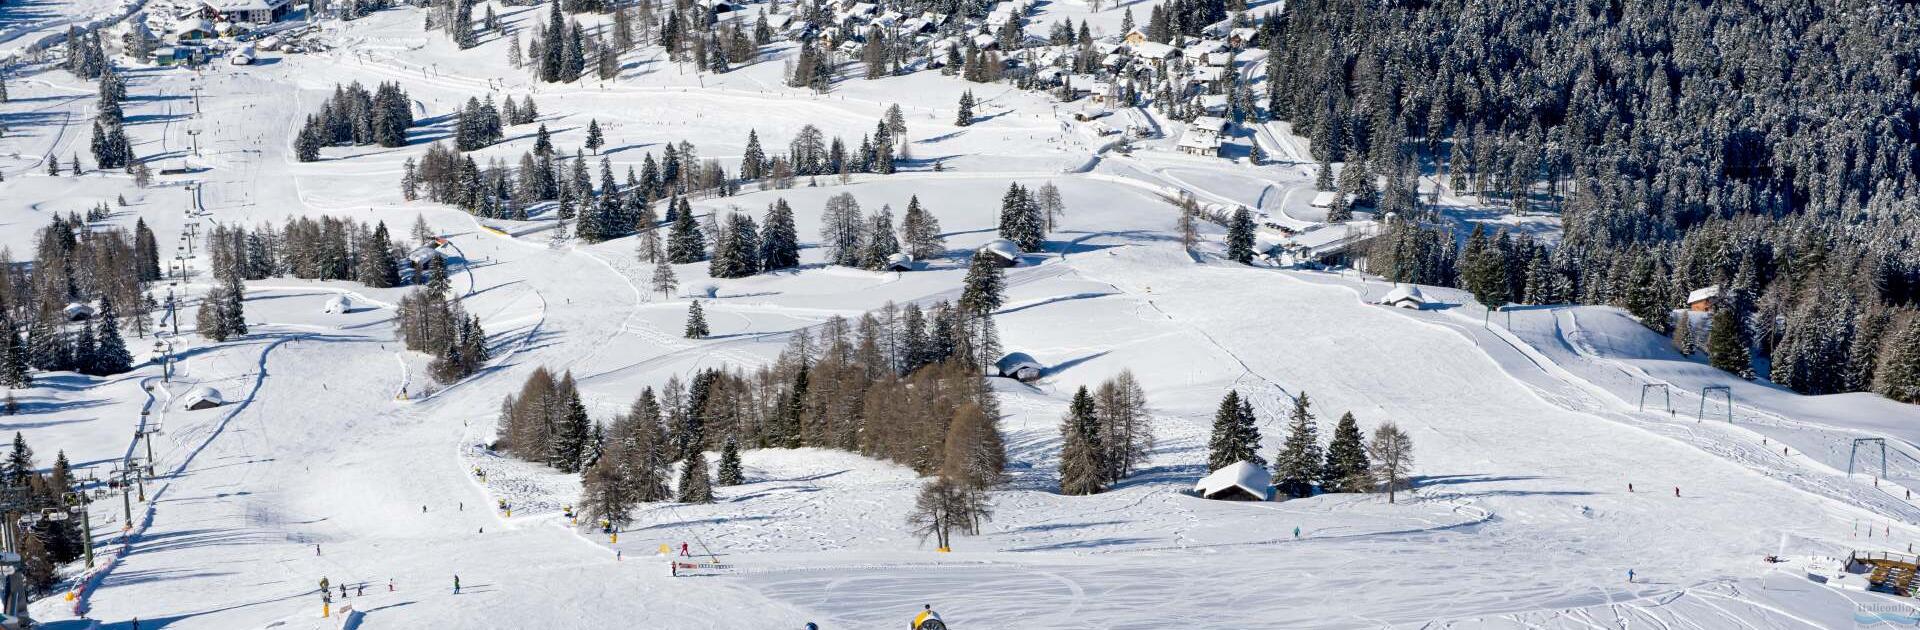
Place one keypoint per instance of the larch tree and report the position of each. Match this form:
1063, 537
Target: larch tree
696, 322
1391, 452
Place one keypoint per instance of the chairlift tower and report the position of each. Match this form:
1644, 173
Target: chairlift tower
1665, 393
1882, 442
1706, 392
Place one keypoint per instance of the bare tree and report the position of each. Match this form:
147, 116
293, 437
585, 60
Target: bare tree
1392, 453
944, 507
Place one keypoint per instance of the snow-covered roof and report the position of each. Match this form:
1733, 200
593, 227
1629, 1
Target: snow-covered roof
1153, 50
202, 396
1213, 102
225, 6
1199, 140
425, 253
778, 20
1213, 124
1200, 48
1208, 73
1219, 58
78, 310
200, 25
1244, 33
338, 304
1243, 475
1404, 293
900, 260
1703, 294
1016, 362
1324, 198
1003, 248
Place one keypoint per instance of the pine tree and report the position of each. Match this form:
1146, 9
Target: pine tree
780, 241
1081, 472
695, 484
110, 354
1235, 437
753, 160
1298, 466
881, 244
1726, 347
729, 473
984, 289
1020, 219
1899, 376
965, 116
1240, 237
595, 139
921, 232
15, 372
19, 465
685, 242
1347, 463
696, 322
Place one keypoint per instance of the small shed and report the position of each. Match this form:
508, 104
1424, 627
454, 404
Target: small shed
338, 305
900, 261
1238, 481
1001, 251
1324, 198
1405, 296
203, 398
1019, 366
1701, 300
78, 311
424, 254
242, 57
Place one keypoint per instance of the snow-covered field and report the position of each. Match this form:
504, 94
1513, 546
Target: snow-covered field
338, 458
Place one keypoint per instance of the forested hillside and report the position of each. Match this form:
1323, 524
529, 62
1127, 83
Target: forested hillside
1767, 147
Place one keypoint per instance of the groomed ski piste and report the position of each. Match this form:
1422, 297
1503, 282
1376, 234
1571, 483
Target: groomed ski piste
336, 456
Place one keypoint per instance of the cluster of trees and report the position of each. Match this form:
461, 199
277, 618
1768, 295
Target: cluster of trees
47, 544
354, 116
75, 264
1348, 463
1104, 435
109, 144
478, 125
1796, 202
612, 210
811, 153
547, 423
854, 240
431, 320
1027, 216
326, 248
86, 58
898, 384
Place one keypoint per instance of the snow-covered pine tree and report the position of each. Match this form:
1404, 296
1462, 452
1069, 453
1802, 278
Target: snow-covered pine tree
1081, 471
1726, 347
1240, 236
696, 322
595, 139
729, 473
1899, 375
1235, 437
964, 116
881, 243
1020, 219
753, 160
110, 354
780, 242
696, 486
1298, 466
1347, 466
983, 291
685, 242
920, 231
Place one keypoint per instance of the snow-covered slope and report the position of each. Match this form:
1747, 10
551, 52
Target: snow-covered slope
337, 458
